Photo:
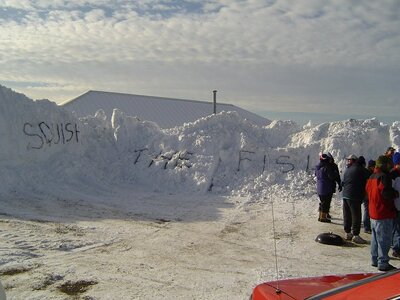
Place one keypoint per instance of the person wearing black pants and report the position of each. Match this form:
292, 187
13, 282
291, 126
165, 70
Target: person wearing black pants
352, 216
326, 185
354, 181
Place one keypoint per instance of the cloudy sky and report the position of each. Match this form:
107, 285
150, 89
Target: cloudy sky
313, 56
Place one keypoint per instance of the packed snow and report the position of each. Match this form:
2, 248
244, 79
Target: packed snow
93, 208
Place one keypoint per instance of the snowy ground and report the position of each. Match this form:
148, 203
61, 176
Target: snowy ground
121, 209
158, 246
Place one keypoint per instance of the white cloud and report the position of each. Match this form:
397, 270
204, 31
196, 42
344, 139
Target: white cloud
302, 53
18, 4
284, 33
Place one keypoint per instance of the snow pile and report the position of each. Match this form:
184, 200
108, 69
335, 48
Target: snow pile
47, 151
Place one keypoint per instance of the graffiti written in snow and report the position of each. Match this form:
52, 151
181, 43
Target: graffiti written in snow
51, 134
172, 159
283, 161
181, 159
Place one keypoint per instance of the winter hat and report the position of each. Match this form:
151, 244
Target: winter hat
361, 160
352, 156
371, 163
390, 149
323, 157
396, 158
382, 162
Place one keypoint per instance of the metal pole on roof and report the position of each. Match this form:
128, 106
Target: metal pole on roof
215, 101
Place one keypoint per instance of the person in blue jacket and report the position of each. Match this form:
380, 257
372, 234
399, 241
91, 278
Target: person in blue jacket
326, 175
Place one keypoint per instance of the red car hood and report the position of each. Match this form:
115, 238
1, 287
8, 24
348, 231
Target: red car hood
302, 288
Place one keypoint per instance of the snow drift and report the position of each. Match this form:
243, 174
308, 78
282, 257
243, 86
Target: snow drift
48, 152
79, 207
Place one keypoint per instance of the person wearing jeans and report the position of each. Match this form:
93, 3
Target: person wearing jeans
382, 212
396, 236
381, 242
366, 220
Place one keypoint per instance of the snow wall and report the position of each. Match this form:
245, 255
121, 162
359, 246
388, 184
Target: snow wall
48, 152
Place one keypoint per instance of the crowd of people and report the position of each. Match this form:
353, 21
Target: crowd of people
375, 187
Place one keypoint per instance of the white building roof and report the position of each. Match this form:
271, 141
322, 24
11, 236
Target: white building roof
166, 112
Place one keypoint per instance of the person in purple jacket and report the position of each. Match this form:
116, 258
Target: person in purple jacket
326, 175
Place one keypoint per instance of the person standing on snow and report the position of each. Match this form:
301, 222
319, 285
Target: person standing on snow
365, 216
354, 180
326, 186
366, 220
382, 212
395, 175
337, 177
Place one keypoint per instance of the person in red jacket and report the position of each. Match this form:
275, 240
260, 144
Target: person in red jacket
382, 212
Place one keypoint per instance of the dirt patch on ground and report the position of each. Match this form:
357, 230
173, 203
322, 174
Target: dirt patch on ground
15, 270
76, 287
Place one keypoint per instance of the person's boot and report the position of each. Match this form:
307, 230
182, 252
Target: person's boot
323, 218
358, 240
320, 216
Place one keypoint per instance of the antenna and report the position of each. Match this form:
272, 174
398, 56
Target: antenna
215, 101
277, 290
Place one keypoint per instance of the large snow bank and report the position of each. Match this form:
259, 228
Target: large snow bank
47, 151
